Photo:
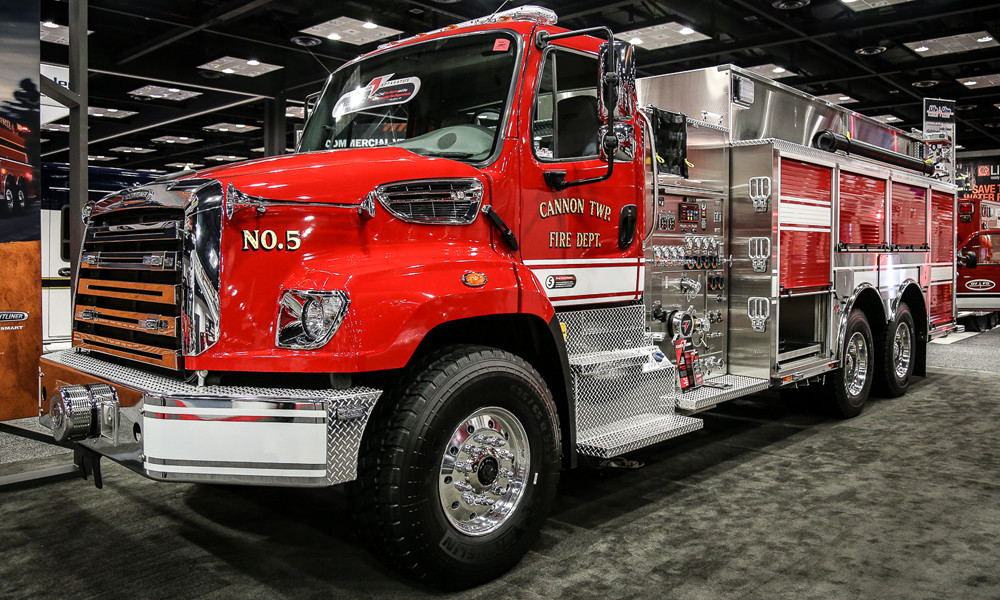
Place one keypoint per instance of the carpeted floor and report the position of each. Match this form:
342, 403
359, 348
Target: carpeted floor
769, 500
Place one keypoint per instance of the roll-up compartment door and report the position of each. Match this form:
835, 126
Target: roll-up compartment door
804, 225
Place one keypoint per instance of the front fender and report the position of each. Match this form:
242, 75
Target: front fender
396, 298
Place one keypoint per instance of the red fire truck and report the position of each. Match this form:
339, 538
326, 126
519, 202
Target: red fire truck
977, 295
486, 262
15, 172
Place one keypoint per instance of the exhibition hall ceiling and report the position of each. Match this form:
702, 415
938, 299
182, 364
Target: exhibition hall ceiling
175, 82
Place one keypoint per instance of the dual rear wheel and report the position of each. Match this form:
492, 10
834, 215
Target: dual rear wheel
886, 362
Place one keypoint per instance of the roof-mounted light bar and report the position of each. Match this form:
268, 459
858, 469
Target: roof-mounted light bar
528, 12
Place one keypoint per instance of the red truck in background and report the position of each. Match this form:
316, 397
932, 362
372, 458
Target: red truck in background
496, 252
15, 172
977, 293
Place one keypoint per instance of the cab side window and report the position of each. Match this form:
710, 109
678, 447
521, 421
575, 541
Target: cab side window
987, 248
565, 122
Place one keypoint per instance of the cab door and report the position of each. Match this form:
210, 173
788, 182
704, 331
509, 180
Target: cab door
979, 287
582, 243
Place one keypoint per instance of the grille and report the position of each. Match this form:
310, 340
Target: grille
128, 294
437, 201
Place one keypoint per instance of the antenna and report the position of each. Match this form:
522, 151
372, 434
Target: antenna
502, 4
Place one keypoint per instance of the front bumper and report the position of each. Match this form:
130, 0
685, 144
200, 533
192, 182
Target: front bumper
173, 431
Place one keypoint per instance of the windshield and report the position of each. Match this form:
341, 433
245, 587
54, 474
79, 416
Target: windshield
444, 97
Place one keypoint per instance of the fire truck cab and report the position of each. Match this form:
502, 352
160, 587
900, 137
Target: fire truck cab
977, 294
497, 252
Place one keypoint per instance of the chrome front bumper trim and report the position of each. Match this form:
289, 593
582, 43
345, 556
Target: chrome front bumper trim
229, 434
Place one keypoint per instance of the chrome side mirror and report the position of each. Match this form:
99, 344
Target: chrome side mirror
624, 150
616, 89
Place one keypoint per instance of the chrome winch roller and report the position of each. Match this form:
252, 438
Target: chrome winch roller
79, 412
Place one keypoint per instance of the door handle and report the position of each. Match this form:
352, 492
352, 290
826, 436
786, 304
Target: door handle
627, 221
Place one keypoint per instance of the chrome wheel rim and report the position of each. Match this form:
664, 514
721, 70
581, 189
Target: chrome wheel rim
20, 199
8, 197
856, 364
484, 471
902, 349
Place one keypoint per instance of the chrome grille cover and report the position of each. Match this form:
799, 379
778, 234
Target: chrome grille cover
432, 201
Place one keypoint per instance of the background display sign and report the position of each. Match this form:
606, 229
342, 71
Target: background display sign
939, 117
978, 178
20, 218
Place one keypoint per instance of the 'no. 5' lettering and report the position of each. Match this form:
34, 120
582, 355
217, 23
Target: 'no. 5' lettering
268, 240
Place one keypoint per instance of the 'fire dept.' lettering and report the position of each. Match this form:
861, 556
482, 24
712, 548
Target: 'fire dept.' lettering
566, 239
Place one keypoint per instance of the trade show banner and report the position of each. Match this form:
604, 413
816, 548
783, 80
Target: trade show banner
20, 245
978, 177
939, 117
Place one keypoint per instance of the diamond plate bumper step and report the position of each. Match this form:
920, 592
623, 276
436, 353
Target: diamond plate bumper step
705, 397
615, 439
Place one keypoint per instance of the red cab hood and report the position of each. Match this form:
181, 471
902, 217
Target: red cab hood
333, 175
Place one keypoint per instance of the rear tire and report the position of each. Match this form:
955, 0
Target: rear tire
459, 468
9, 194
20, 197
852, 382
896, 350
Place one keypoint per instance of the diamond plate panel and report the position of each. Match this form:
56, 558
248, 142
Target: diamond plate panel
636, 432
343, 438
706, 396
604, 329
613, 359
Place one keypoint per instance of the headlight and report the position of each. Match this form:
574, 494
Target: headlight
307, 319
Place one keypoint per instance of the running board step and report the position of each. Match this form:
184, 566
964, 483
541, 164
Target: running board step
615, 439
706, 397
593, 362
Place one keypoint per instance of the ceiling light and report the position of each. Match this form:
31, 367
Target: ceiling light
224, 158
183, 165
306, 41
130, 149
925, 83
223, 127
837, 98
863, 5
333, 36
54, 33
965, 107
55, 127
109, 113
982, 81
298, 112
769, 71
238, 66
102, 158
992, 125
663, 35
636, 41
162, 93
351, 31
887, 118
870, 50
173, 139
789, 4
953, 44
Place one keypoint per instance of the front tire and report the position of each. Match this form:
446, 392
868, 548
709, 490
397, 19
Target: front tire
897, 353
456, 477
852, 382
